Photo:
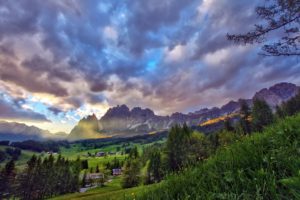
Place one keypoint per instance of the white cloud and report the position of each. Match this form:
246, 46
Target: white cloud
176, 54
205, 7
111, 33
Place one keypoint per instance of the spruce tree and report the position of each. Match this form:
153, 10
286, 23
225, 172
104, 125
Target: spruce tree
261, 115
244, 122
7, 178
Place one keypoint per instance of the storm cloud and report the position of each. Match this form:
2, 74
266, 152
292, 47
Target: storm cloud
69, 58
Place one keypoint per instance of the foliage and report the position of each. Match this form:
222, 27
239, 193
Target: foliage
4, 142
154, 169
45, 178
39, 146
2, 156
13, 152
7, 180
131, 171
227, 124
84, 164
261, 166
261, 115
244, 124
177, 147
281, 18
290, 107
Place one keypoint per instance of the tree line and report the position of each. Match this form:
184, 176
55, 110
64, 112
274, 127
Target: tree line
42, 178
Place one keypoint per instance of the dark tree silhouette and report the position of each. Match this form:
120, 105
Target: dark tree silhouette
262, 115
279, 31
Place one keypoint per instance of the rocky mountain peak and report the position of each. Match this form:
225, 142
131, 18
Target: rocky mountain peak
284, 90
139, 112
117, 112
230, 107
92, 117
278, 93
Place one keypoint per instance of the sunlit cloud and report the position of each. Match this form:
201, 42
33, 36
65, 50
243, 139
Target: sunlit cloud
63, 60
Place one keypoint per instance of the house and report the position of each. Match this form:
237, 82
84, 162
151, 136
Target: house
94, 179
94, 176
100, 154
117, 171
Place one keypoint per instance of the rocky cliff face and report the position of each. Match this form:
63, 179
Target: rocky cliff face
122, 121
87, 128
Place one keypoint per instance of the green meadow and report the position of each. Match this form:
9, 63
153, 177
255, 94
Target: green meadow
261, 166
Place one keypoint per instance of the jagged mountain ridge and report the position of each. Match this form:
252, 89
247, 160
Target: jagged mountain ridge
122, 121
277, 94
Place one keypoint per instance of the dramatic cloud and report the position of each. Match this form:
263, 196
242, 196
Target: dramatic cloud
11, 112
66, 59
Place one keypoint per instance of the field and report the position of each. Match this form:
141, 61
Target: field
111, 191
22, 160
77, 150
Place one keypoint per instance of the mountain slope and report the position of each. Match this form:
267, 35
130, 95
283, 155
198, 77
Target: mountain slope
278, 93
13, 131
87, 128
121, 121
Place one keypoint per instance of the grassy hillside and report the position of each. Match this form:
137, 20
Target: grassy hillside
263, 166
112, 191
22, 160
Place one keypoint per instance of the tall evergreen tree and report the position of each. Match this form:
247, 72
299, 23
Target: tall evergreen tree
134, 153
97, 169
177, 147
244, 122
7, 180
131, 173
262, 114
227, 124
154, 169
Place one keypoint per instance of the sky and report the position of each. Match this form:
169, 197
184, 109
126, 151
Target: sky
61, 60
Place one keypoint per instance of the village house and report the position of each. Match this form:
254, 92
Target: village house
94, 179
100, 154
117, 172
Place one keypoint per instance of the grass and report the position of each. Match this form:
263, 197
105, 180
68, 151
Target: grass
112, 191
22, 160
77, 150
262, 166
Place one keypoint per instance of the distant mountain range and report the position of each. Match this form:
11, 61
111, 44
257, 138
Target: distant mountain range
13, 131
121, 121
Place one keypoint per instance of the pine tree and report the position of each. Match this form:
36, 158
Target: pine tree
262, 114
244, 122
83, 182
7, 178
131, 173
154, 169
177, 147
97, 169
133, 153
227, 124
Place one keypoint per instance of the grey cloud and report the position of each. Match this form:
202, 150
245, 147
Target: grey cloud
8, 111
28, 80
41, 66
